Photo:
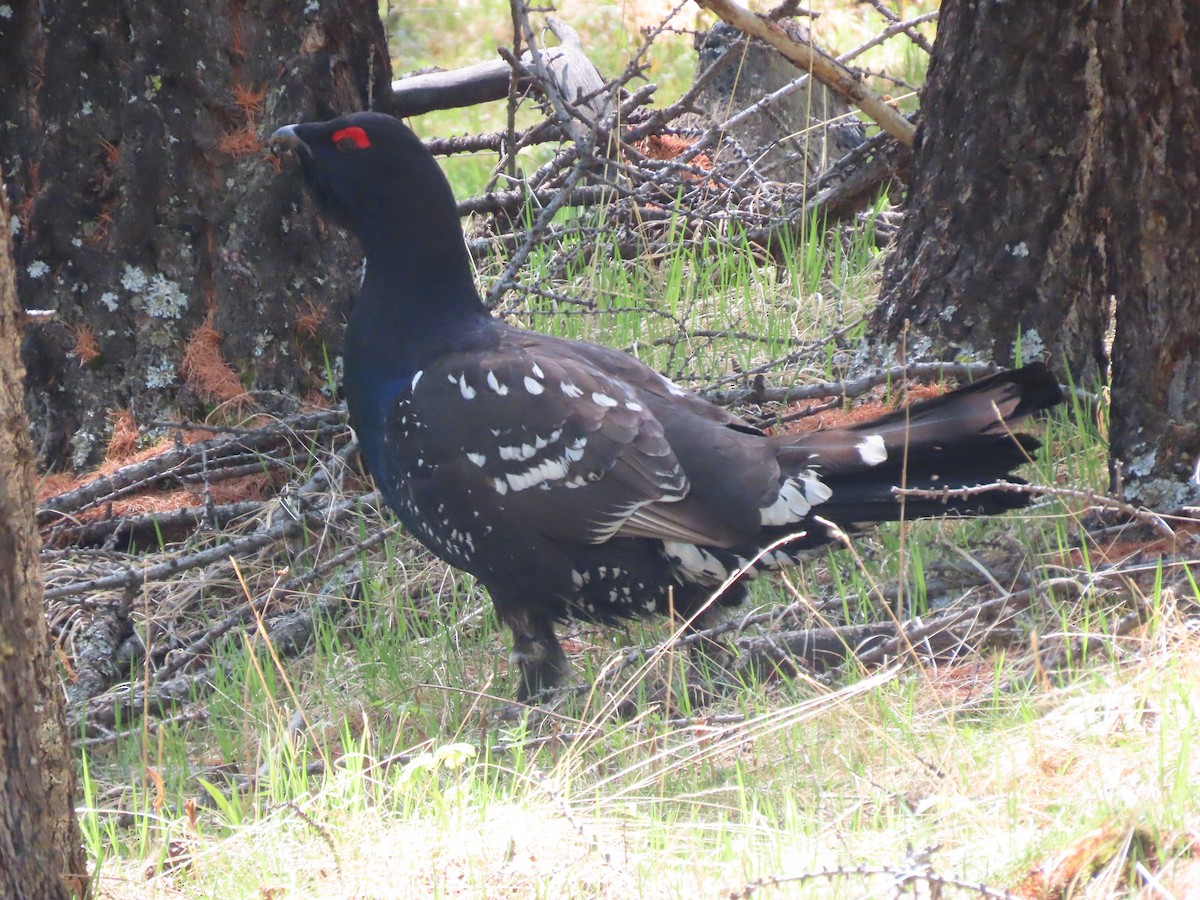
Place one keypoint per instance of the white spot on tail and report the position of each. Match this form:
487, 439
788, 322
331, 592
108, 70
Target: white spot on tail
798, 494
695, 561
872, 449
815, 489
790, 506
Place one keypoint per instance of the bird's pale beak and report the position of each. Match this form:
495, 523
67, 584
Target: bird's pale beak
285, 138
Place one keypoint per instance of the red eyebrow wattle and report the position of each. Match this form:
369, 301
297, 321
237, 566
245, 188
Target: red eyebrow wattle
355, 134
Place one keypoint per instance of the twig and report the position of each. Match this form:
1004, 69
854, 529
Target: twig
150, 525
899, 873
130, 701
507, 277
841, 80
917, 38
1092, 498
175, 462
182, 657
131, 577
891, 31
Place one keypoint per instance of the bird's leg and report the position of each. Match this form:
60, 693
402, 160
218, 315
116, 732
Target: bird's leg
536, 651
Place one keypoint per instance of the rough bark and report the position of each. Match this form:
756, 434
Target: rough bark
1151, 64
1007, 229
1055, 180
145, 202
41, 854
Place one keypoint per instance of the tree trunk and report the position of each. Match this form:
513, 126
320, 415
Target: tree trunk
1006, 234
1055, 179
145, 203
41, 854
1151, 60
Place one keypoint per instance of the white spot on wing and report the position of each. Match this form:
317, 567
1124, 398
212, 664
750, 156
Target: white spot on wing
547, 470
540, 442
416, 378
673, 388
511, 453
465, 389
872, 449
495, 385
533, 385
571, 390
603, 399
478, 458
537, 371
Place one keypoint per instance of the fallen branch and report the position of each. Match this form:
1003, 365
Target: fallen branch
825, 68
242, 614
174, 464
288, 632
131, 577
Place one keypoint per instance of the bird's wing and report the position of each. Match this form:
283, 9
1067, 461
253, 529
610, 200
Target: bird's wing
644, 379
556, 444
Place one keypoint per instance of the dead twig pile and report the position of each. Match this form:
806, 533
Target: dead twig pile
640, 179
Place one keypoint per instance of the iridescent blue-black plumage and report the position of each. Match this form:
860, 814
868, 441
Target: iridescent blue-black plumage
571, 479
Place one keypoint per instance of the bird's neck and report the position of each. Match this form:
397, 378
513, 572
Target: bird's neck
418, 301
418, 287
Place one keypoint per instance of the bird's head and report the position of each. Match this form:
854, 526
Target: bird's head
367, 170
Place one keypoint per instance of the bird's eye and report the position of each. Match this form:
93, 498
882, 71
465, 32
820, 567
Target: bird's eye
350, 139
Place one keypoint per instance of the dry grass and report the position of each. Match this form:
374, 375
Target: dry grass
1068, 793
205, 370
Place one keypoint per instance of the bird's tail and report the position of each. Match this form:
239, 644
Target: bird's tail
961, 439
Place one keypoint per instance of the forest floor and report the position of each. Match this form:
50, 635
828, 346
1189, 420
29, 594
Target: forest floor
279, 694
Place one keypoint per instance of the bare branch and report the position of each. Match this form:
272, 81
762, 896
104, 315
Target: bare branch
832, 73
